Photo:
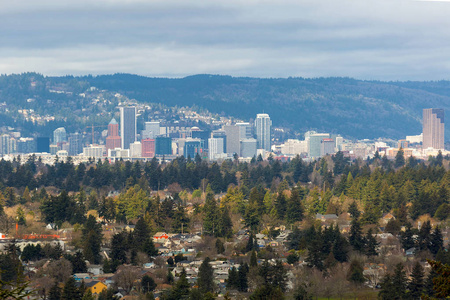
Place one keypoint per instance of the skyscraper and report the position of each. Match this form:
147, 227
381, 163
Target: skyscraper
75, 144
245, 130
113, 138
127, 126
433, 128
263, 124
151, 131
59, 135
233, 139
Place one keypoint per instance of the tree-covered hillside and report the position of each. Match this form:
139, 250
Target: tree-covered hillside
353, 108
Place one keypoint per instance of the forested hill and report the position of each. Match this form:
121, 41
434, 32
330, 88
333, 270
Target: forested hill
362, 109
353, 108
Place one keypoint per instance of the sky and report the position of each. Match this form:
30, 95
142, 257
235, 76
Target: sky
364, 39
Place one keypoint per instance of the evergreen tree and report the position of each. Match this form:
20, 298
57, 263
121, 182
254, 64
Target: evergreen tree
70, 291
436, 241
253, 260
181, 288
407, 239
92, 235
225, 225
55, 292
295, 209
356, 238
399, 281
242, 278
210, 215
219, 246
353, 210
416, 285
205, 280
119, 248
424, 238
233, 279
387, 291
355, 273
371, 244
399, 159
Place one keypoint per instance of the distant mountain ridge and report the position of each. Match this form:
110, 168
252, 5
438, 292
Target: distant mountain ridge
355, 108
351, 107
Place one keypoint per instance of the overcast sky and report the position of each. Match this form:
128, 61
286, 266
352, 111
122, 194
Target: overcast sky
385, 40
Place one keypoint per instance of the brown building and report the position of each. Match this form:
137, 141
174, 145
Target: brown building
113, 138
433, 128
148, 148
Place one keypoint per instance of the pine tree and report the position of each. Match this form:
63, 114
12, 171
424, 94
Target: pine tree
353, 210
55, 292
407, 239
416, 285
70, 291
436, 241
424, 236
371, 244
205, 280
92, 235
210, 214
219, 246
356, 238
399, 281
355, 273
294, 207
225, 225
399, 159
233, 279
242, 278
280, 205
387, 291
253, 260
181, 288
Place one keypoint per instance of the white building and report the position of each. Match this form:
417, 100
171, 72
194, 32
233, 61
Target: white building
136, 149
93, 151
263, 125
215, 148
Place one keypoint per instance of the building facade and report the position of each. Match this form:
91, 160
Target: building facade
127, 126
263, 126
113, 140
433, 128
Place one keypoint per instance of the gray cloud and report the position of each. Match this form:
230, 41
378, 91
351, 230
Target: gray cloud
388, 40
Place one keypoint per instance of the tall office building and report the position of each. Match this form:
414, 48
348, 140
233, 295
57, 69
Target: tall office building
315, 144
5, 144
75, 144
151, 131
127, 126
245, 130
233, 139
43, 145
263, 125
148, 148
215, 148
433, 128
248, 148
163, 145
113, 138
220, 134
59, 135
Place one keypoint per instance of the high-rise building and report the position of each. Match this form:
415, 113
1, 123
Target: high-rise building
113, 138
433, 128
151, 130
245, 130
4, 144
163, 145
248, 147
215, 148
233, 139
93, 151
204, 135
148, 148
136, 149
327, 147
59, 135
75, 144
220, 134
192, 147
43, 145
26, 145
315, 144
263, 125
127, 126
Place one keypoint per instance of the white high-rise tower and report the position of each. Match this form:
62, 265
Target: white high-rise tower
127, 126
263, 125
